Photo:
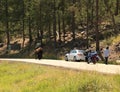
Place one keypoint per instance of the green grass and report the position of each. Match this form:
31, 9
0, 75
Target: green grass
24, 77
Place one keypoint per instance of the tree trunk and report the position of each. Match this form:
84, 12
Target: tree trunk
54, 24
73, 25
63, 21
23, 33
97, 31
7, 24
49, 25
63, 27
41, 28
92, 13
41, 36
96, 25
73, 22
30, 33
29, 25
117, 7
49, 30
59, 28
87, 10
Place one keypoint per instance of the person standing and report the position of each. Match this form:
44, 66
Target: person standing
38, 51
106, 54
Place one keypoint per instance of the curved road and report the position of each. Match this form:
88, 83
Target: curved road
108, 69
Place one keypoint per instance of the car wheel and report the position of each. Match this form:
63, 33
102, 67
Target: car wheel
66, 58
74, 59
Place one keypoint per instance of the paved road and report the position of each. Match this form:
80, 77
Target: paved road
109, 69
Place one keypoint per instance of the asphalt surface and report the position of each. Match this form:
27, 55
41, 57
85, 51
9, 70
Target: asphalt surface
107, 69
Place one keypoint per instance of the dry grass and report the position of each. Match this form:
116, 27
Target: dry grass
24, 77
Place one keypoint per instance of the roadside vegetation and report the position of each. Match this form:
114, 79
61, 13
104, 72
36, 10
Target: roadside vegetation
24, 77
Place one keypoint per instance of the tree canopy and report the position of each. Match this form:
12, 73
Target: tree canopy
53, 20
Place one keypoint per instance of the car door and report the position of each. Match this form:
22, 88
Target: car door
72, 54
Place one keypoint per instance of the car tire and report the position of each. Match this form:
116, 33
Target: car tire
66, 58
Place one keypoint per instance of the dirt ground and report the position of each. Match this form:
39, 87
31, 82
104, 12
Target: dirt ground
114, 55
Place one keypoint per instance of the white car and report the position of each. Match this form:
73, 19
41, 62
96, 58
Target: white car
75, 55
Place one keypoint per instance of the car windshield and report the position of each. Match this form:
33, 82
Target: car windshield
73, 51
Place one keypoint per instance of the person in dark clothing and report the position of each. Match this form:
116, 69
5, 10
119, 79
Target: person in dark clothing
86, 55
38, 52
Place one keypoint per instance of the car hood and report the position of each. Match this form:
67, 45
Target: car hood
67, 54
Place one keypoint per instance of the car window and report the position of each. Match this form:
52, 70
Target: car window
73, 51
